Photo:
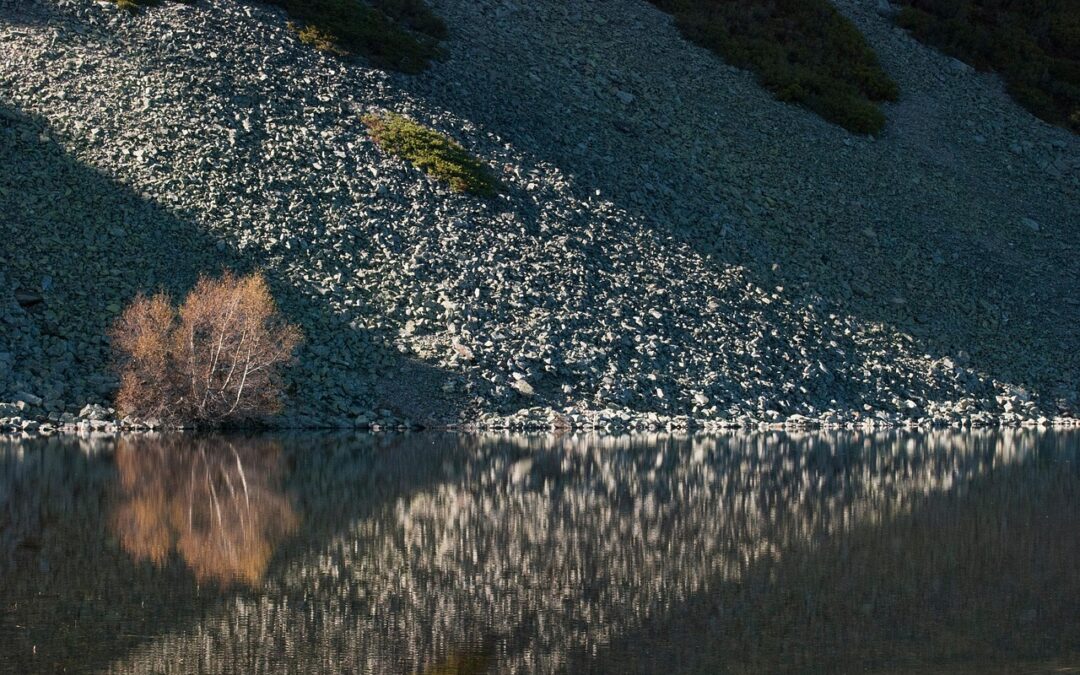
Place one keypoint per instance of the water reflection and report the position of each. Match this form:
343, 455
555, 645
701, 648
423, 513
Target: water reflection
217, 502
443, 553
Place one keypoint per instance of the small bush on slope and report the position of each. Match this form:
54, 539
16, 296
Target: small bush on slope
214, 361
1033, 44
435, 154
804, 51
132, 5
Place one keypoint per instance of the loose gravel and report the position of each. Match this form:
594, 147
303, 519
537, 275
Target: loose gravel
673, 247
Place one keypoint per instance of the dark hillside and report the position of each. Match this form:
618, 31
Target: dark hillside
804, 51
1033, 44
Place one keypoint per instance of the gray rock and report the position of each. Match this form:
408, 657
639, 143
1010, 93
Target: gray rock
28, 298
960, 67
651, 247
29, 399
94, 412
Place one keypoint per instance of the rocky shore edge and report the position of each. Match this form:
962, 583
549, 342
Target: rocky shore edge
24, 419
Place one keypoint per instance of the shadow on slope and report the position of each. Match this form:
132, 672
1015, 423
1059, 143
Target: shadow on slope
28, 14
920, 231
88, 243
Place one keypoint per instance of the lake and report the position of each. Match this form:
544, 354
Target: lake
950, 551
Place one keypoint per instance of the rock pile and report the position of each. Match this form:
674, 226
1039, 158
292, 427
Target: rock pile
673, 248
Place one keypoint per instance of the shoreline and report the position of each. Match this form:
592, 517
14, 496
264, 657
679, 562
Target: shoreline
98, 419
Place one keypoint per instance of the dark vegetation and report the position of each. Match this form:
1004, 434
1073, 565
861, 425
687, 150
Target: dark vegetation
434, 153
132, 5
1033, 44
804, 51
396, 34
213, 361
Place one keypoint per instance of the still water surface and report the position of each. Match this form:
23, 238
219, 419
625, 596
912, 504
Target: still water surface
439, 553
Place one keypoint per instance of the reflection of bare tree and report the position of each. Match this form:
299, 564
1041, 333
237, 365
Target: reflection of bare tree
215, 501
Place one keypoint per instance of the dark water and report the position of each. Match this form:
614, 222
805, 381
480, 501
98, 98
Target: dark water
899, 552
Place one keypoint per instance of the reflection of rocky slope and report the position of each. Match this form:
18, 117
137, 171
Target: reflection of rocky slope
671, 239
982, 578
534, 553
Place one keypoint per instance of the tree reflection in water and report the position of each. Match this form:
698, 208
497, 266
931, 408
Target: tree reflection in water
216, 502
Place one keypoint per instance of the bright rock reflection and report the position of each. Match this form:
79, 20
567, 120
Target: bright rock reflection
444, 553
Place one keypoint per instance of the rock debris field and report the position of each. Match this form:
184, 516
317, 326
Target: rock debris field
673, 247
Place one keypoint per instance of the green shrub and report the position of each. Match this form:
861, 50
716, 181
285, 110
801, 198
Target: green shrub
434, 153
804, 51
851, 112
132, 5
1033, 44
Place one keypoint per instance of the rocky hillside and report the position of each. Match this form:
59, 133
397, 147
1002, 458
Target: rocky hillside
671, 241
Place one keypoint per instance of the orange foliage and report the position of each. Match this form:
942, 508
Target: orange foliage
217, 505
215, 360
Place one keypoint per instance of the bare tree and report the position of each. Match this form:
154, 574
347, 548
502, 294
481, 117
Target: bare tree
214, 361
